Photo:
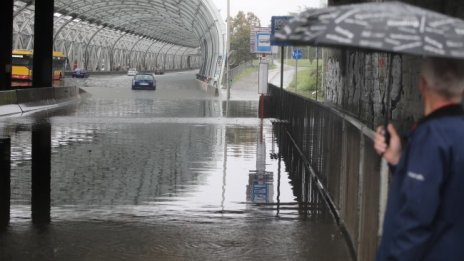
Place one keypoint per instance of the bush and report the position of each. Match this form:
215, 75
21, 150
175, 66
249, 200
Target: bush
307, 82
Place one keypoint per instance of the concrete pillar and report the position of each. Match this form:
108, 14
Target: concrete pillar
5, 153
43, 44
6, 34
41, 168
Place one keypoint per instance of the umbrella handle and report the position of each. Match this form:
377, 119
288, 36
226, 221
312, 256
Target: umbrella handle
386, 134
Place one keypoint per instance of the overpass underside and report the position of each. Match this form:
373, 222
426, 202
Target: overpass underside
113, 35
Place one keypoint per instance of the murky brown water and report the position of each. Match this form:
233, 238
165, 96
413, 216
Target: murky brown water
163, 176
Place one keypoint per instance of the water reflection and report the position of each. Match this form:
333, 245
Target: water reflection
5, 148
260, 188
305, 188
242, 109
151, 107
97, 171
41, 173
28, 84
136, 181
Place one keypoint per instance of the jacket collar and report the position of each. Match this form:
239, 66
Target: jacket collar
449, 110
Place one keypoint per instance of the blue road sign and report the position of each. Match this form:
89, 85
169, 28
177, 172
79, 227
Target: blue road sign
278, 22
297, 54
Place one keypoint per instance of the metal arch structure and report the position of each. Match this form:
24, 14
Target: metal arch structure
114, 35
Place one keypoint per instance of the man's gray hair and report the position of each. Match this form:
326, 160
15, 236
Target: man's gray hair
445, 76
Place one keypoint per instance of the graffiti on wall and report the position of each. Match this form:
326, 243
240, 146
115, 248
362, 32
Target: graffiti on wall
357, 83
333, 81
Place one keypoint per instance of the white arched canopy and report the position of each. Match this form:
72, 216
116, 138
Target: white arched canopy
116, 34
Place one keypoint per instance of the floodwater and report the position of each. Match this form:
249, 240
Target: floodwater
159, 175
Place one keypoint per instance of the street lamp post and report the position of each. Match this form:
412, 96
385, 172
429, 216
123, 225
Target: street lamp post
228, 50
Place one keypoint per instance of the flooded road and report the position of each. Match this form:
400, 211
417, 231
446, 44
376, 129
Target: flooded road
162, 175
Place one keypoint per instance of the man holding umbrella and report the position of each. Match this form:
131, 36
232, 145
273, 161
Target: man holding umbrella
424, 219
425, 212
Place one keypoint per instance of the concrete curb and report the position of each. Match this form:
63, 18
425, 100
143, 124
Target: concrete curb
23, 101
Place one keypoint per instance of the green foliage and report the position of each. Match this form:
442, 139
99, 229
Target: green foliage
307, 82
247, 72
309, 53
303, 63
240, 35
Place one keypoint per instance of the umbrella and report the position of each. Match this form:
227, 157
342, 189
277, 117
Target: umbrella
388, 27
391, 27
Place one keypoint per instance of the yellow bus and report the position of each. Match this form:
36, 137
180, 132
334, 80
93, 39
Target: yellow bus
59, 62
22, 65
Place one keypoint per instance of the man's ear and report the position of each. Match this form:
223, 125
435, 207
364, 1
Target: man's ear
423, 85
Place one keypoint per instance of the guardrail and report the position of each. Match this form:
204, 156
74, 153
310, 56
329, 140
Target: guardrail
337, 150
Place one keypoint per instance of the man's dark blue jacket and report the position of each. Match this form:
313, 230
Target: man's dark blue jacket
424, 219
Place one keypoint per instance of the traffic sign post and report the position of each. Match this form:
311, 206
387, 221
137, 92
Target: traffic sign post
277, 23
297, 54
317, 71
260, 43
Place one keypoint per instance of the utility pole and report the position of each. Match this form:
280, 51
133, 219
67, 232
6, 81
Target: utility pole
296, 74
228, 51
6, 31
317, 70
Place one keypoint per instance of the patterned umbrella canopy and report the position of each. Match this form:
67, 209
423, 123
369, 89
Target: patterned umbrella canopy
390, 27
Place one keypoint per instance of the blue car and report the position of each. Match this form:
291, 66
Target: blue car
80, 73
144, 82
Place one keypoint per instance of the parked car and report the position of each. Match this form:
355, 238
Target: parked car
80, 73
132, 72
159, 70
144, 81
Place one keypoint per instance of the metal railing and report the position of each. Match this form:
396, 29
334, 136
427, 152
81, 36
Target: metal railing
234, 72
338, 152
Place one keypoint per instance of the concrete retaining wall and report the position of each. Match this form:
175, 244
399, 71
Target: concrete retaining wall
26, 100
357, 83
69, 73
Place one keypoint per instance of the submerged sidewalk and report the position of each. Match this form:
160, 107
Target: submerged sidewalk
246, 88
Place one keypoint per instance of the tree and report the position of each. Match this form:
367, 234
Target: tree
240, 35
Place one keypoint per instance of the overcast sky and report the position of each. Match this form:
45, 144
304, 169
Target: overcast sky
264, 9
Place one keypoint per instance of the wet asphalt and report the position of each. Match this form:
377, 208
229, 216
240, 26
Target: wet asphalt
162, 175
